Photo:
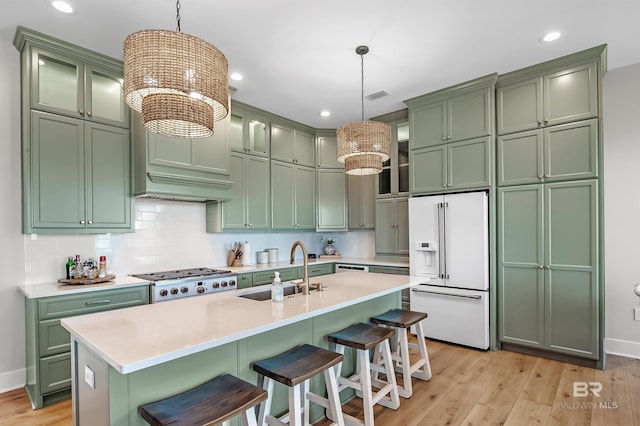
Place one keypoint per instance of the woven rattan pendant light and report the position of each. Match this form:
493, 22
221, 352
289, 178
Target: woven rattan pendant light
363, 145
177, 81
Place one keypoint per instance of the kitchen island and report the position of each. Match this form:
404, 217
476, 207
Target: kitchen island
137, 355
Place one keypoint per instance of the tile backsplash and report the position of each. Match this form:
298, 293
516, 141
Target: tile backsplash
170, 235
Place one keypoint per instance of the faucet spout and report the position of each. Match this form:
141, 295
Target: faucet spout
304, 285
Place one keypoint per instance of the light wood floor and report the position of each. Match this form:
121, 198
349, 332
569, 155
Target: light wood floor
468, 387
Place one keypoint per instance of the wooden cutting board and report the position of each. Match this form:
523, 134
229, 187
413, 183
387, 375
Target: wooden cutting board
86, 281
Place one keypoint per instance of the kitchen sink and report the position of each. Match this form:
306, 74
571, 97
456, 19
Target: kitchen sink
266, 294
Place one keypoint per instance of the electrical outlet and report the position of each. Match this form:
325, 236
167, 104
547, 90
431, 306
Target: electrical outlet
636, 314
89, 377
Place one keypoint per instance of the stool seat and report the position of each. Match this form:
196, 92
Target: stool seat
298, 364
361, 336
399, 318
215, 401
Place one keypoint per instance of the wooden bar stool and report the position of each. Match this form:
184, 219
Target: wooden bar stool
362, 337
214, 402
401, 320
294, 369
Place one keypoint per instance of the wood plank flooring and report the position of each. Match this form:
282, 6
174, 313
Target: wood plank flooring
468, 387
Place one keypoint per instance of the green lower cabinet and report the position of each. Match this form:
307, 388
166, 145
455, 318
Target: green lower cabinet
266, 277
245, 280
317, 270
548, 256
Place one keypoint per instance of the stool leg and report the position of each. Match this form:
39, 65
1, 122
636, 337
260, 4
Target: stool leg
295, 406
365, 382
333, 396
265, 407
425, 374
248, 418
406, 390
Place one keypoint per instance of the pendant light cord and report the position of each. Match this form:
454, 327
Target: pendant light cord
178, 15
362, 83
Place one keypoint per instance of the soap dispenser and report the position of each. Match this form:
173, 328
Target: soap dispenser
277, 291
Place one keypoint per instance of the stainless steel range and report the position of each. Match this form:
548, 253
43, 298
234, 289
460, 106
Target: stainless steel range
169, 285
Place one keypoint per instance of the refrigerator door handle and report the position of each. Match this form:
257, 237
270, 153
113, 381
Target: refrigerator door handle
442, 263
475, 297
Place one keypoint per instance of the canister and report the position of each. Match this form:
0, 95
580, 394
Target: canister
273, 255
262, 257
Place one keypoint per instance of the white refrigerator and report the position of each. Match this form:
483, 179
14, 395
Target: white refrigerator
449, 244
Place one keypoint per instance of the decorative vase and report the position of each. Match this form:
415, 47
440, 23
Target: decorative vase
329, 249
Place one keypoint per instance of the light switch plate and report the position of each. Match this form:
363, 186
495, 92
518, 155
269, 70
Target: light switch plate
636, 314
89, 377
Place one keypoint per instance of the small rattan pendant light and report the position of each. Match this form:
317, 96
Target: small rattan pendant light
363, 145
177, 81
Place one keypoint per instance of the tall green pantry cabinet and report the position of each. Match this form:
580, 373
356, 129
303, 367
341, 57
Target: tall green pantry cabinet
550, 227
75, 139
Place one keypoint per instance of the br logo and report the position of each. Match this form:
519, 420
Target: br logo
583, 389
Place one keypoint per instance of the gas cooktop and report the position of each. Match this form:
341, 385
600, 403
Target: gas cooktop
178, 274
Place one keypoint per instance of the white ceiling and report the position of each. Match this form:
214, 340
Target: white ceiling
298, 56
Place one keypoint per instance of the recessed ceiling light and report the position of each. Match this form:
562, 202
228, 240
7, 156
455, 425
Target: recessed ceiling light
551, 36
62, 6
236, 76
325, 113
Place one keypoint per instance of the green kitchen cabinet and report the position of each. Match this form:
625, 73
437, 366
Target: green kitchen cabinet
68, 80
49, 344
562, 96
191, 169
266, 277
76, 176
327, 150
392, 226
548, 260
361, 201
293, 145
452, 167
393, 181
293, 196
249, 131
316, 270
563, 152
452, 114
249, 205
332, 200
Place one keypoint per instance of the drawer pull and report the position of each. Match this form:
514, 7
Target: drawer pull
98, 302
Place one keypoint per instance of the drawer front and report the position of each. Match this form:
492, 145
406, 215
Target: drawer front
245, 280
266, 277
64, 306
55, 373
397, 270
54, 339
323, 269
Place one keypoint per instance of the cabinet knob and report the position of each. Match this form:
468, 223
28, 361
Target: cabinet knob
89, 113
81, 112
546, 175
546, 121
90, 222
539, 123
250, 225
82, 222
540, 267
444, 138
448, 137
540, 176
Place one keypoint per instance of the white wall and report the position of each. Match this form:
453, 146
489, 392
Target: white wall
622, 208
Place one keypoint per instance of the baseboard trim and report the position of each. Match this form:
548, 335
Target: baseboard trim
585, 362
12, 380
622, 348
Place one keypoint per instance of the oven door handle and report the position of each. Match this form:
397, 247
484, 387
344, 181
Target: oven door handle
475, 296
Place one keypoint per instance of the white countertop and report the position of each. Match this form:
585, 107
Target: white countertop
298, 262
135, 338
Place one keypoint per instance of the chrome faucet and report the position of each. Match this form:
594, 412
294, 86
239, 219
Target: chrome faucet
304, 285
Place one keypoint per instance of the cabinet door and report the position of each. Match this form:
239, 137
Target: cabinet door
57, 174
519, 106
305, 149
234, 210
571, 261
257, 142
257, 190
108, 181
282, 195
386, 213
571, 95
211, 154
327, 153
55, 373
520, 262
361, 201
428, 169
332, 200
57, 83
520, 158
470, 115
469, 164
305, 198
170, 152
428, 125
236, 133
104, 96
402, 226
282, 143
571, 151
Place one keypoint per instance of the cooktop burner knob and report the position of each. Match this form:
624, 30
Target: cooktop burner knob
200, 290
224, 284
164, 292
174, 291
216, 285
232, 283
184, 289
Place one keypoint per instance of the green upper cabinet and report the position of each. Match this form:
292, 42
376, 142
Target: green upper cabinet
182, 169
249, 205
361, 197
555, 92
332, 200
393, 181
293, 145
79, 177
563, 152
249, 131
452, 167
64, 83
327, 149
392, 226
453, 114
293, 196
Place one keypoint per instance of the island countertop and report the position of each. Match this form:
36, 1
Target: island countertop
143, 336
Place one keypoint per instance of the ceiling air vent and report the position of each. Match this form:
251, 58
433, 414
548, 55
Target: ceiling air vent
377, 95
